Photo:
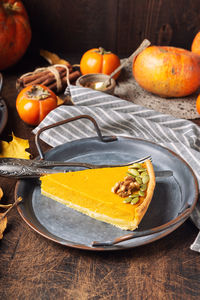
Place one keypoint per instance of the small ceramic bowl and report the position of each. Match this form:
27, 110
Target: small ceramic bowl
95, 82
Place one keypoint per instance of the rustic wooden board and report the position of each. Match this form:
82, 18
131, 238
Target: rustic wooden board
117, 25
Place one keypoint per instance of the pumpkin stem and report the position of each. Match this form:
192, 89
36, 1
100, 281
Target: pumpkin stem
12, 7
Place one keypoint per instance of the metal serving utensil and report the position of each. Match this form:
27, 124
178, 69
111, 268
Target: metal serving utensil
24, 168
47, 163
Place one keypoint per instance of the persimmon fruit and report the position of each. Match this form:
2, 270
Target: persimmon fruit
98, 60
34, 102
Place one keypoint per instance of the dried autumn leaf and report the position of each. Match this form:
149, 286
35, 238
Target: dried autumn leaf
3, 205
3, 217
53, 58
59, 101
3, 224
16, 148
3, 221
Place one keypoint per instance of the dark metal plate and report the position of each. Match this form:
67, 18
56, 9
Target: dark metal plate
68, 227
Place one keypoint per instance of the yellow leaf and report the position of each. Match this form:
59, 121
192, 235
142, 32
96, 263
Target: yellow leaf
3, 224
3, 205
16, 148
59, 101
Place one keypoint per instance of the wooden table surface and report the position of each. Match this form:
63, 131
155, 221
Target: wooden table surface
32, 267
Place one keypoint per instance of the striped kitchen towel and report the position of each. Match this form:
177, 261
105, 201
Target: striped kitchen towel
122, 118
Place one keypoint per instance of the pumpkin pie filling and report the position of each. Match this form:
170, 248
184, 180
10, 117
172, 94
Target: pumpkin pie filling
93, 193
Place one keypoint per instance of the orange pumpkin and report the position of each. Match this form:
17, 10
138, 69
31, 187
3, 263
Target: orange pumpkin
15, 32
167, 71
98, 60
198, 104
196, 44
34, 102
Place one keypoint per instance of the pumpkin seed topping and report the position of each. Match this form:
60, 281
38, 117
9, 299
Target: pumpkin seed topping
134, 185
142, 170
145, 179
134, 172
138, 179
136, 166
135, 200
143, 187
127, 200
141, 193
133, 196
143, 174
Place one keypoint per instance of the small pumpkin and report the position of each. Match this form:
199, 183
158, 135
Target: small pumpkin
15, 32
198, 104
98, 60
34, 102
196, 44
167, 71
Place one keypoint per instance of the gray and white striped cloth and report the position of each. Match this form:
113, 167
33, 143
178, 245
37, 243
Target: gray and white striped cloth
122, 118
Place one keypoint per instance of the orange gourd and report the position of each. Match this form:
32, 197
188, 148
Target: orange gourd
15, 32
98, 60
198, 104
167, 71
196, 44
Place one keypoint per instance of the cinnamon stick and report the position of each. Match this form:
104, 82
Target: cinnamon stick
43, 74
47, 78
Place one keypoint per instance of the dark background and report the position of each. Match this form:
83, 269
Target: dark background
74, 26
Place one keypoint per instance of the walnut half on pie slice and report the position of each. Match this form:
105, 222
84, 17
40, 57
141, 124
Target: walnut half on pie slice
119, 196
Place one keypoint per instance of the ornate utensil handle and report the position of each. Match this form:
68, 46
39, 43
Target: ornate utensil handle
23, 171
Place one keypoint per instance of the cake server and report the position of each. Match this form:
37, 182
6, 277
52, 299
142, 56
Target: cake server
24, 168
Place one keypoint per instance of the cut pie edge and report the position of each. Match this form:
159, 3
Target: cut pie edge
142, 208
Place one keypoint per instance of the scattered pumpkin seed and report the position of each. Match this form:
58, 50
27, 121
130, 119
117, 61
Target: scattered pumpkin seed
135, 200
145, 179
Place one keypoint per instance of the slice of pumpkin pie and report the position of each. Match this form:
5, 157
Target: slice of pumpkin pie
119, 195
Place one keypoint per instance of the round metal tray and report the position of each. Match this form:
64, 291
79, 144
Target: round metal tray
172, 197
